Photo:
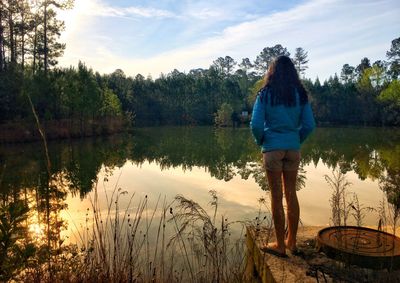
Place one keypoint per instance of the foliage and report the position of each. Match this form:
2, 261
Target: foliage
390, 103
300, 60
15, 247
224, 115
225, 65
29, 39
347, 74
30, 47
254, 90
394, 58
392, 93
111, 105
267, 55
29, 32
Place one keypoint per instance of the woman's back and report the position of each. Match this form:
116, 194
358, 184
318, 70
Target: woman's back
279, 126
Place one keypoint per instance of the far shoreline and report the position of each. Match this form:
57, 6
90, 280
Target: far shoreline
16, 132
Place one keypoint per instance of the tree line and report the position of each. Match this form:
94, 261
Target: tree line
366, 94
29, 48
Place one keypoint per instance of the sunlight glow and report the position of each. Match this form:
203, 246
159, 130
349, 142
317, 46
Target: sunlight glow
36, 231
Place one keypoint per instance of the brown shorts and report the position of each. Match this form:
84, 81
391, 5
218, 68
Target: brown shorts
282, 160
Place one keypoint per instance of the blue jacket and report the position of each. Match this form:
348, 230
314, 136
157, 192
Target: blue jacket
280, 127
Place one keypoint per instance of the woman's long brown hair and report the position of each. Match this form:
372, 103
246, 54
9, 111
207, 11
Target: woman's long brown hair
281, 83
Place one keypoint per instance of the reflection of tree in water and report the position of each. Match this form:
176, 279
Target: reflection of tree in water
366, 151
31, 217
389, 210
26, 179
45, 196
390, 184
219, 151
256, 170
78, 162
224, 153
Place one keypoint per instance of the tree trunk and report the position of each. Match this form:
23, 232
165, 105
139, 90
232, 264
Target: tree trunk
11, 35
34, 51
23, 37
1, 38
45, 38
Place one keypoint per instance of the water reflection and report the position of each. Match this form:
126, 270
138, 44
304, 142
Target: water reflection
228, 155
224, 153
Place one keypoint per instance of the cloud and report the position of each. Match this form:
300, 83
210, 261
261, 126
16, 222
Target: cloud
205, 13
99, 8
334, 32
108, 11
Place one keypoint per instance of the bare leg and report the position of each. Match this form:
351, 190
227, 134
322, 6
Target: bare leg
293, 210
275, 184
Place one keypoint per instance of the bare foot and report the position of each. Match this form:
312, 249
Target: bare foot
290, 246
273, 248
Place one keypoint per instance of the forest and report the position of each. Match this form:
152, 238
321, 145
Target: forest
77, 100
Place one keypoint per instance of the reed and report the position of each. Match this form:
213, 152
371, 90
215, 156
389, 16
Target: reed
339, 203
342, 207
359, 211
138, 242
211, 253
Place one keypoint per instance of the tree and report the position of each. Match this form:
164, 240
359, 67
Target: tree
11, 12
51, 30
111, 105
369, 86
394, 58
390, 98
122, 87
224, 115
300, 60
225, 65
2, 55
23, 28
391, 93
364, 64
246, 64
347, 74
267, 55
86, 100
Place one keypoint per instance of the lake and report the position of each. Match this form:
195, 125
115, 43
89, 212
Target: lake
162, 162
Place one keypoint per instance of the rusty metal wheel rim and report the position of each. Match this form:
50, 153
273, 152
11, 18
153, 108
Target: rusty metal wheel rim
360, 241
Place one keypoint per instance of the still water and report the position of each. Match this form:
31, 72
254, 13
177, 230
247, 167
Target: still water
167, 161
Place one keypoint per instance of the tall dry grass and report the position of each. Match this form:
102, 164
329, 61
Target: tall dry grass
126, 239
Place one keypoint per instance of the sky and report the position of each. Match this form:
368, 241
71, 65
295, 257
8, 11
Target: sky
154, 37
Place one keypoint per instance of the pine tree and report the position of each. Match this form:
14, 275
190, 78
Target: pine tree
267, 55
394, 58
300, 60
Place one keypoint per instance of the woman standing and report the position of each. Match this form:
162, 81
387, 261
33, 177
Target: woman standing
282, 119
